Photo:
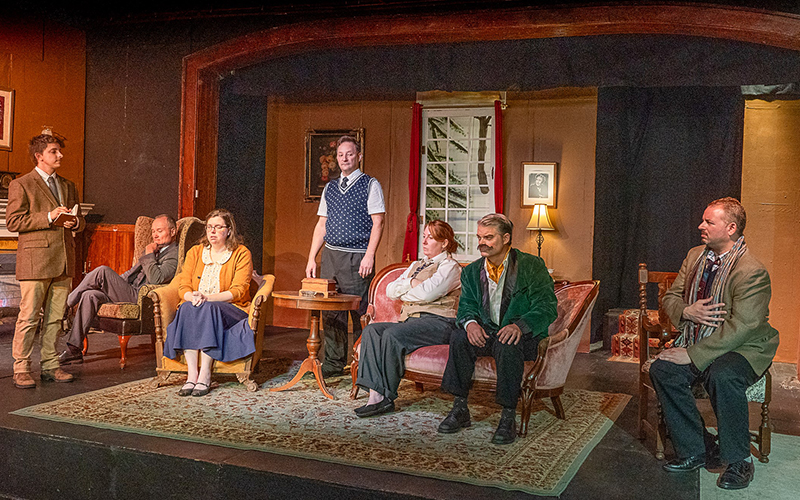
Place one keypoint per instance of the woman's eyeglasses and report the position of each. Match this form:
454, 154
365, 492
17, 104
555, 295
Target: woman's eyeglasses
216, 228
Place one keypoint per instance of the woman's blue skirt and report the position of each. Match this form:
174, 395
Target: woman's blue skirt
219, 329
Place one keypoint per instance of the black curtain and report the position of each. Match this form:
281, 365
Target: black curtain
240, 165
662, 155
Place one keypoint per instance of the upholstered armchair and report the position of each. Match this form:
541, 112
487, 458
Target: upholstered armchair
165, 304
544, 377
653, 336
126, 319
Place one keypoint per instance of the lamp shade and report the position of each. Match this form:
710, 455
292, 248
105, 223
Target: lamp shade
540, 220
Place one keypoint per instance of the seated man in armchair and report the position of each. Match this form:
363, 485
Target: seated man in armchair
157, 266
507, 304
720, 302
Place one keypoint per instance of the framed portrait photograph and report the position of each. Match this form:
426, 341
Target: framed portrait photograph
539, 183
321, 164
6, 118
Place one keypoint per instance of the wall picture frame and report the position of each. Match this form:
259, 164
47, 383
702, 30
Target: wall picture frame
321, 164
539, 183
6, 118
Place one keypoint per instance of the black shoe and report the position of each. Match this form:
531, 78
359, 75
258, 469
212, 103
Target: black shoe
457, 419
187, 389
329, 371
385, 405
197, 391
737, 475
506, 431
70, 356
685, 464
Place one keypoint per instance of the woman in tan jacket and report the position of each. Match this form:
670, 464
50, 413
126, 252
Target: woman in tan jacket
211, 322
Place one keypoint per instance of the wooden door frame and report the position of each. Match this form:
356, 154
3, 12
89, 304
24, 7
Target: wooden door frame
202, 69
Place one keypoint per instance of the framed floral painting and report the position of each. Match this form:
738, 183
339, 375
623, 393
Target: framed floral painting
321, 165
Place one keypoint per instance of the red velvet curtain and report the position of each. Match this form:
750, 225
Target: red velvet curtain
498, 157
412, 223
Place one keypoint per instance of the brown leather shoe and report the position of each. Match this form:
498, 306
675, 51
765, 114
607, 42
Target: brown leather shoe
57, 375
24, 381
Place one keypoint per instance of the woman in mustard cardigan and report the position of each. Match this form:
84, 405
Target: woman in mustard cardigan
211, 322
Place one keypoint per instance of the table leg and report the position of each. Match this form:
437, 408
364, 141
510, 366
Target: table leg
311, 363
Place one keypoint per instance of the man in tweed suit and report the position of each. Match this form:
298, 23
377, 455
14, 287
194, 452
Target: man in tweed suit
720, 302
45, 257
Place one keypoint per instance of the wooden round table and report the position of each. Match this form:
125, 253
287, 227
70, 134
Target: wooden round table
315, 304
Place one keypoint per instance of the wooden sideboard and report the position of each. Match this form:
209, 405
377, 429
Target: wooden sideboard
106, 245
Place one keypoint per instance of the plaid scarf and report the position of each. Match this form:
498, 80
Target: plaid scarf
692, 333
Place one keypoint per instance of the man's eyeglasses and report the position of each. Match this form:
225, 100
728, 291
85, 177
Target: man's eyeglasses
218, 227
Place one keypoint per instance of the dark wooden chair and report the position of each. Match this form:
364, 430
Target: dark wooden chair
652, 339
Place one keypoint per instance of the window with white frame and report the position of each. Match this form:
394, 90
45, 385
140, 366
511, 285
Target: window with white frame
457, 169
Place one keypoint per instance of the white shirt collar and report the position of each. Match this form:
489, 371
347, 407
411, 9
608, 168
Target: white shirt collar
44, 175
436, 259
712, 256
206, 256
355, 174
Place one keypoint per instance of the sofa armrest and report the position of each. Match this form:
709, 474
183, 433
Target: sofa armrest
367, 317
555, 359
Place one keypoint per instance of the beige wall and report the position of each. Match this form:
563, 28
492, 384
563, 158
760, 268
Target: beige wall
45, 64
771, 196
560, 130
563, 131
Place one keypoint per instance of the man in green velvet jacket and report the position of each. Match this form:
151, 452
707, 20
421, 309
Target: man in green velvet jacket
720, 302
507, 304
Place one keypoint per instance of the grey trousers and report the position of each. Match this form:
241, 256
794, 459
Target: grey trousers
343, 268
101, 285
384, 346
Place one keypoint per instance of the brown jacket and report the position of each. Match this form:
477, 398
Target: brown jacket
43, 251
745, 328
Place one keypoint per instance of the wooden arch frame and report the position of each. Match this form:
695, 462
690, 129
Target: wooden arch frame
202, 69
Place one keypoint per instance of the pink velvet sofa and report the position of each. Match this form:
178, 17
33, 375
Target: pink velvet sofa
543, 378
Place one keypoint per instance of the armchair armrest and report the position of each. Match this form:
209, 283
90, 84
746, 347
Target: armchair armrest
264, 291
165, 305
146, 313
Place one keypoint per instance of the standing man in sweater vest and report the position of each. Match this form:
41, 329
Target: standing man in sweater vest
351, 212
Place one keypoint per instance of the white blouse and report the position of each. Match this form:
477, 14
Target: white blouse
446, 279
209, 281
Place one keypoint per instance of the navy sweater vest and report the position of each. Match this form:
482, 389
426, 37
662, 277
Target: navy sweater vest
349, 223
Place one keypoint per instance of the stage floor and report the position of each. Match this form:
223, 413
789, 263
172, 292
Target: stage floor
44, 459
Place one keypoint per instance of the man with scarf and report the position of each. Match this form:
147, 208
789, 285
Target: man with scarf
720, 302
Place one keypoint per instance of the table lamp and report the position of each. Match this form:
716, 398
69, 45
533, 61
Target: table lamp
540, 221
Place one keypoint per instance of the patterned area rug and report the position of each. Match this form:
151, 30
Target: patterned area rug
302, 422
